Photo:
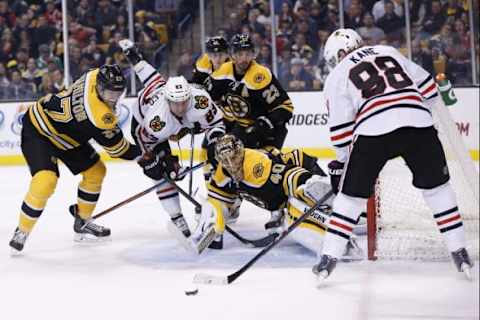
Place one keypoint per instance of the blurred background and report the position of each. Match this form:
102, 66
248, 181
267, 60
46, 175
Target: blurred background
39, 53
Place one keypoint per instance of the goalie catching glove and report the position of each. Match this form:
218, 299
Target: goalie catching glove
155, 166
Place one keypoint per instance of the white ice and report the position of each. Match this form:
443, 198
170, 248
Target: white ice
142, 272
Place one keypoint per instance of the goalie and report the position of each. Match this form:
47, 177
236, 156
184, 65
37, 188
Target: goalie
273, 182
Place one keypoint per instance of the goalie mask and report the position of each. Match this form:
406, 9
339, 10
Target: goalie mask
229, 152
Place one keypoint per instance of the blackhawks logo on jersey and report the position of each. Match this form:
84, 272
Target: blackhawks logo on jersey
156, 124
201, 102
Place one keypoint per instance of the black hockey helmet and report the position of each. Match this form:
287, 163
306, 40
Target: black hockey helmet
241, 41
110, 77
216, 44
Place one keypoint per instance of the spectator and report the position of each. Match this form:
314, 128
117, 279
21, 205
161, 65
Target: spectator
7, 46
45, 56
354, 18
434, 22
391, 23
6, 14
46, 86
80, 33
298, 79
18, 89
318, 13
286, 14
253, 23
105, 15
422, 55
453, 10
32, 74
379, 9
52, 14
43, 33
300, 48
304, 28
57, 78
4, 81
370, 33
84, 13
22, 58
96, 53
233, 25
264, 16
265, 56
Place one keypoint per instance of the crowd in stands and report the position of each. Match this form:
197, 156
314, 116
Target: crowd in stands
31, 50
439, 29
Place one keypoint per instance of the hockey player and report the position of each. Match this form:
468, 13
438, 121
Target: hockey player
380, 108
273, 182
164, 109
256, 108
216, 55
59, 127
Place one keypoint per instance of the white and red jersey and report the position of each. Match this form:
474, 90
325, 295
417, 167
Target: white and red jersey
375, 90
152, 112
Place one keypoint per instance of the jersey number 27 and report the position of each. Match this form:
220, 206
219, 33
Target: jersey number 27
367, 77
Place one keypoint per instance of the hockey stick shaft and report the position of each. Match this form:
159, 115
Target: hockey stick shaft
190, 176
144, 192
257, 243
233, 276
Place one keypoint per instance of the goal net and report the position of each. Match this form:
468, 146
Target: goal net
400, 225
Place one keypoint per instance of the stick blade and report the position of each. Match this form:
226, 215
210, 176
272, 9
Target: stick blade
204, 278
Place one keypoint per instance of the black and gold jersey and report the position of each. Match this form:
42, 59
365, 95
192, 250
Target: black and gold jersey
76, 115
269, 179
202, 69
245, 98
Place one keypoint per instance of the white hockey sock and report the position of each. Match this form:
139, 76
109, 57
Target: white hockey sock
346, 211
168, 196
441, 200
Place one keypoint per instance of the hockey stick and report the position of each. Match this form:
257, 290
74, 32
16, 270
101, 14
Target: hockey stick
190, 176
211, 279
141, 194
257, 243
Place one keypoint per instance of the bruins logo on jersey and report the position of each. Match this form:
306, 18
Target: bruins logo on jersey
259, 77
156, 124
258, 170
108, 118
201, 102
238, 105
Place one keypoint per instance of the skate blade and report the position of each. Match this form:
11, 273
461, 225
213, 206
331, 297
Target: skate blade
88, 238
321, 279
14, 253
181, 239
467, 271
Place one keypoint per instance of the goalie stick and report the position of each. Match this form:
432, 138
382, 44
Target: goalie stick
203, 278
257, 243
144, 192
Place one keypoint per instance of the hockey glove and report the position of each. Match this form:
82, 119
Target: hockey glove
130, 51
263, 129
335, 170
151, 165
170, 166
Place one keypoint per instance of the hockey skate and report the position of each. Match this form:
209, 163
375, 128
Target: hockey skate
275, 224
180, 222
462, 262
85, 230
18, 241
324, 268
234, 212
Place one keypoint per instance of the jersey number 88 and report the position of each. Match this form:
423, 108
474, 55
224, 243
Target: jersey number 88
375, 83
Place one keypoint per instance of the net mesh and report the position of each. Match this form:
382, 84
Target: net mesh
405, 226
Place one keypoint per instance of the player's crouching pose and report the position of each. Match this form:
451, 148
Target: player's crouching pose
268, 181
162, 110
380, 108
59, 127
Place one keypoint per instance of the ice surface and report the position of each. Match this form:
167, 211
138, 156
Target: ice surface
142, 273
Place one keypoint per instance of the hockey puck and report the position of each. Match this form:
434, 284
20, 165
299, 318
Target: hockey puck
191, 292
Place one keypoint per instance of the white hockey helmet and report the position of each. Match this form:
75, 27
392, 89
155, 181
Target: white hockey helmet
177, 89
345, 40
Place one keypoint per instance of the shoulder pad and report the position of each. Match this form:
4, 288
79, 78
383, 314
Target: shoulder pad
224, 72
99, 114
256, 168
203, 64
220, 178
257, 77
